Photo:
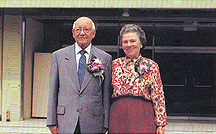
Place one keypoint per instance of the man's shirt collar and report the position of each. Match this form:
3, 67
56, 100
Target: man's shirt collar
78, 48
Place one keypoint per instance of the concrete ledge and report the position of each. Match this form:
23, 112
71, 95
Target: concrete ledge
26, 126
179, 125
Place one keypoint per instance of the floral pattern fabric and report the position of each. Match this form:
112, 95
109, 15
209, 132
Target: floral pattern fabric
126, 82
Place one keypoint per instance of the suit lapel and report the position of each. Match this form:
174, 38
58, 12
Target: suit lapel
70, 58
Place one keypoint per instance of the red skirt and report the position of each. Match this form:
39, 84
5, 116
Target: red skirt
132, 115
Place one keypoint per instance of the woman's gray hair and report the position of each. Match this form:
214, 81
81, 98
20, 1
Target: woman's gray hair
133, 28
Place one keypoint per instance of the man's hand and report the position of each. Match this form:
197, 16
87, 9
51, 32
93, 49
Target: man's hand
53, 129
160, 130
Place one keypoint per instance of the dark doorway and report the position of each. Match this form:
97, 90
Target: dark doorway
189, 82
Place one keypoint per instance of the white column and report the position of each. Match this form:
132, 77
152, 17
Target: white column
11, 75
1, 64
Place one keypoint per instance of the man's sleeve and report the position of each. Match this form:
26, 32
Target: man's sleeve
53, 93
107, 91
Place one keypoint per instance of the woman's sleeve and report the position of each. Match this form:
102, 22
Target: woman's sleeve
114, 72
115, 76
158, 99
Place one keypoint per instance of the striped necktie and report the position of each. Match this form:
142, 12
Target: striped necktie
82, 66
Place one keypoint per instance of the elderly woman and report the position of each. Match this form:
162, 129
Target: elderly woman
138, 98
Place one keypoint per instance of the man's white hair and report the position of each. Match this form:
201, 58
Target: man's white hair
93, 25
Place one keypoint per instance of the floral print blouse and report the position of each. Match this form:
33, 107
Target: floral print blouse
140, 77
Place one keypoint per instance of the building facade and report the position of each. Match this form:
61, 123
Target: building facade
181, 39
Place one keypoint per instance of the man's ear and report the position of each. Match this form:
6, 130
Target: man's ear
94, 33
72, 31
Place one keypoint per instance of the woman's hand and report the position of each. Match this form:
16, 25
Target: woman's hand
54, 129
160, 130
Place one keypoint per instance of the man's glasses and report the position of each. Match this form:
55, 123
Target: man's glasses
85, 30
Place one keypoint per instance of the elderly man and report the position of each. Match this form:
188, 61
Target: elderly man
80, 84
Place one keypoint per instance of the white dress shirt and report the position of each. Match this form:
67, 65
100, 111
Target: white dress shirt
78, 55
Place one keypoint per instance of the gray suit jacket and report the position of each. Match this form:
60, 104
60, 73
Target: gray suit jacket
67, 101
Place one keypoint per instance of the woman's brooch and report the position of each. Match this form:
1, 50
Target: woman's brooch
141, 67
